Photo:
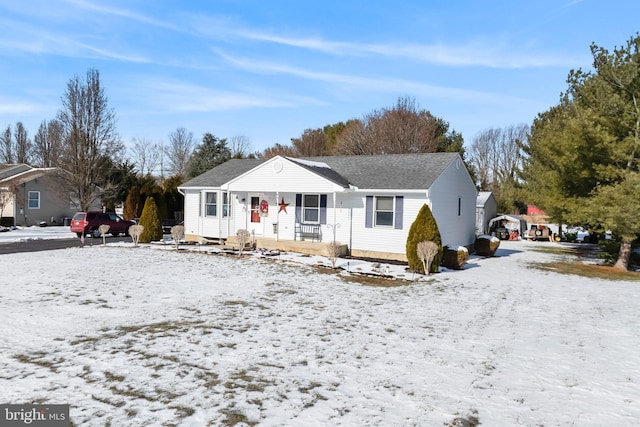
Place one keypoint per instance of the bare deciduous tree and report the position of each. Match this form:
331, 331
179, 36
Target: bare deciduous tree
426, 252
89, 137
179, 150
278, 150
7, 154
146, 155
311, 143
47, 144
135, 231
22, 144
404, 128
239, 146
496, 155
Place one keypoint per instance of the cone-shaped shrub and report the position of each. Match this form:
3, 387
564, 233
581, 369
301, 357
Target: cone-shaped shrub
424, 228
149, 219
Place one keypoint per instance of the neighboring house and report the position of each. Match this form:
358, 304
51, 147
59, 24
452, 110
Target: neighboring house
365, 202
32, 196
486, 209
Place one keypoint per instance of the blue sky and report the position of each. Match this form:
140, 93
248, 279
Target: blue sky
268, 70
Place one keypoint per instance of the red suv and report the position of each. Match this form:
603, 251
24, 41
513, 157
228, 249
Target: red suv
88, 222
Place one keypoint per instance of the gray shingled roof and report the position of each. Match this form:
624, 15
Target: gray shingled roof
223, 173
392, 171
377, 172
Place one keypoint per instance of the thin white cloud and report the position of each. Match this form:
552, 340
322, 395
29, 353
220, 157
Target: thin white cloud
490, 53
348, 82
123, 13
17, 107
178, 97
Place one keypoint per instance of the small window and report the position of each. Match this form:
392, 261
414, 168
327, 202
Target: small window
210, 205
226, 207
311, 208
384, 211
34, 200
459, 205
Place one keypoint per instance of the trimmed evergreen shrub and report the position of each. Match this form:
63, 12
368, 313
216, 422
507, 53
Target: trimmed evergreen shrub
486, 245
423, 228
150, 221
455, 259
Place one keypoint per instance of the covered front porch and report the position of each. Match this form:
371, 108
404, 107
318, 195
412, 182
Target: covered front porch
299, 246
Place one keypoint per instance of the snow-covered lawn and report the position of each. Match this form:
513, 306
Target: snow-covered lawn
152, 336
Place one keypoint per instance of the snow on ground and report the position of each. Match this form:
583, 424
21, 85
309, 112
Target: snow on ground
154, 336
21, 234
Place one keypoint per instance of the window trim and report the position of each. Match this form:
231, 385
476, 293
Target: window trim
376, 211
226, 205
29, 199
306, 208
213, 204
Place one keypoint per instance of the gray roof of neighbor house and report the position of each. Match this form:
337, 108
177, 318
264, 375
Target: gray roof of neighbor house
377, 172
19, 173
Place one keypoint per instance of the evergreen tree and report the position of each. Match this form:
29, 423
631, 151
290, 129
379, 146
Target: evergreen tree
584, 154
212, 152
424, 228
151, 222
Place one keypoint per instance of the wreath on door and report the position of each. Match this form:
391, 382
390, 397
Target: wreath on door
264, 208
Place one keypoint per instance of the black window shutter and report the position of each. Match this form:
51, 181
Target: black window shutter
298, 207
323, 209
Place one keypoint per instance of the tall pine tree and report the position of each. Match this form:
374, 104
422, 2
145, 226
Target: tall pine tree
584, 154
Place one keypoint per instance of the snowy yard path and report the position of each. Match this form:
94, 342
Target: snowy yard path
154, 337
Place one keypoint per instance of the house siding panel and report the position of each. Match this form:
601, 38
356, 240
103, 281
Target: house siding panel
454, 184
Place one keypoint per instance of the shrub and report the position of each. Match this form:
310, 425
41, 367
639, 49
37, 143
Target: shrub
150, 221
135, 231
486, 245
455, 259
243, 238
424, 228
426, 252
177, 232
104, 229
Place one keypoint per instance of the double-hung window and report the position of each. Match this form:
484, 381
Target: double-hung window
384, 211
311, 208
210, 205
34, 200
226, 207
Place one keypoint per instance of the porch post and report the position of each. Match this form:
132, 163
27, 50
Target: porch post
277, 218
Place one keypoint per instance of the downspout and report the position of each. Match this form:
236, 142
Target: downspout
278, 218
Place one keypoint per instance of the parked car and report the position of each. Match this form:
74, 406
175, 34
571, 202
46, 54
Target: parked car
539, 232
87, 223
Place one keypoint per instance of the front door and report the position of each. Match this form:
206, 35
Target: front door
255, 209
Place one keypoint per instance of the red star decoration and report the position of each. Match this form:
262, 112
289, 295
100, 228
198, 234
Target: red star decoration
283, 206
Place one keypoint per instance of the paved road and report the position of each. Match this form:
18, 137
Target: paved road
46, 245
